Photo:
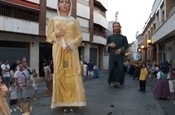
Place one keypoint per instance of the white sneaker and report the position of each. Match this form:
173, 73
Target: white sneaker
64, 111
71, 111
11, 110
14, 110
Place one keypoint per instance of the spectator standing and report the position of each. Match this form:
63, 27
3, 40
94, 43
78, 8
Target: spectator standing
48, 79
35, 82
27, 72
85, 70
137, 71
90, 67
5, 72
20, 81
96, 72
13, 96
172, 83
143, 78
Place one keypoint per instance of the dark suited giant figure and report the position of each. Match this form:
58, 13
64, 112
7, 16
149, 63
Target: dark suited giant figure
117, 45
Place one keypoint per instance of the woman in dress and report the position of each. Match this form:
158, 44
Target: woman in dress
65, 35
162, 90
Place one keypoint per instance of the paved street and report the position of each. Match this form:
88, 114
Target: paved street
107, 100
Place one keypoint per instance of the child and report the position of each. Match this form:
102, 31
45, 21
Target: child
143, 78
85, 70
13, 96
136, 74
172, 83
162, 90
96, 72
48, 79
25, 107
4, 94
35, 80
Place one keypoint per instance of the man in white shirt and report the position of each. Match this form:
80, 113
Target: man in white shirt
6, 72
27, 72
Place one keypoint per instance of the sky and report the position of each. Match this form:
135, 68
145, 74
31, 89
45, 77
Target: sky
132, 15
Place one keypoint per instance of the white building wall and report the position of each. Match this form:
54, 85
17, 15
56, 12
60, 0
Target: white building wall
83, 10
99, 40
100, 19
83, 22
52, 4
18, 25
104, 3
86, 36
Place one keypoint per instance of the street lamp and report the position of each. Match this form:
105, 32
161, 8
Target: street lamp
149, 41
142, 46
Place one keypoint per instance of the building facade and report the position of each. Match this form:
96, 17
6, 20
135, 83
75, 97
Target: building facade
24, 24
158, 36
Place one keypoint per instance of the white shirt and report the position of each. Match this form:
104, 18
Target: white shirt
13, 92
7, 73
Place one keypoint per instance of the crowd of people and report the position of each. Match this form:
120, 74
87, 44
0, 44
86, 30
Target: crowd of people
15, 80
162, 73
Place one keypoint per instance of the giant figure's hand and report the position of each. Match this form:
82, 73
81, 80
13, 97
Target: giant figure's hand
118, 51
112, 45
60, 33
68, 48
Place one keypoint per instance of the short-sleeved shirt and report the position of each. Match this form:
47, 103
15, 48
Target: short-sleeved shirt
13, 92
6, 74
19, 75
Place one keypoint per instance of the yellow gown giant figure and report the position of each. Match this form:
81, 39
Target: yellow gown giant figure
68, 89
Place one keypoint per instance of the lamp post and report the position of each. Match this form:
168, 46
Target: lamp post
142, 46
149, 41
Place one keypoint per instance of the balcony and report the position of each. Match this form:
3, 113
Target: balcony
166, 30
100, 20
99, 40
11, 24
83, 11
85, 36
103, 3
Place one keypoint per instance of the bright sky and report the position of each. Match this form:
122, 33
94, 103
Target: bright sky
132, 15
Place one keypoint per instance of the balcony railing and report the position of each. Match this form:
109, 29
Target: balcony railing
31, 17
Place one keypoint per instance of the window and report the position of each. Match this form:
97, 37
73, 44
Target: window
163, 16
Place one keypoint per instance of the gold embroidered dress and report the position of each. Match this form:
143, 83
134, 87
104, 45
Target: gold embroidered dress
68, 88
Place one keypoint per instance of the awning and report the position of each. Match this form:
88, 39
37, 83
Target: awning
22, 4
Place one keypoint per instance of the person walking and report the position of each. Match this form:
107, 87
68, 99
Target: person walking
65, 35
162, 90
116, 46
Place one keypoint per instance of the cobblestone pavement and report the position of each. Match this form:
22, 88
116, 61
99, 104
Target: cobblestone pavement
107, 100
